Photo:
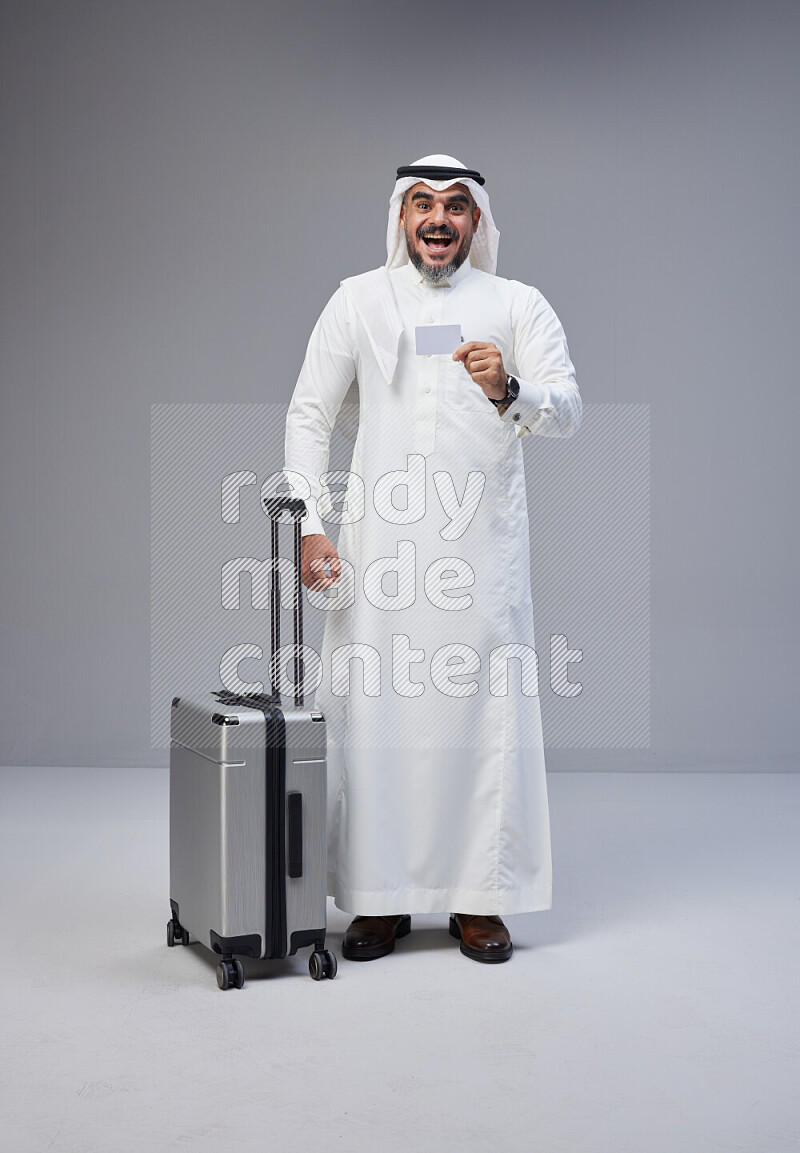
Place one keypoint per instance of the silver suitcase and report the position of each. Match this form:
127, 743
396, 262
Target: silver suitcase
248, 796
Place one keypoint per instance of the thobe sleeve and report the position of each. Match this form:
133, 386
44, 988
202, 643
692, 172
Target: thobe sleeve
327, 373
549, 403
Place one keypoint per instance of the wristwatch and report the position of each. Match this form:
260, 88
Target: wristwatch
512, 392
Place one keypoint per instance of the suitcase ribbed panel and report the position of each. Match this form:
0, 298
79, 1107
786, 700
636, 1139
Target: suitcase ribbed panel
306, 775
242, 863
217, 821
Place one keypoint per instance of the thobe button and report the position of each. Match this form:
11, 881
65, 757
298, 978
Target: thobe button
428, 388
516, 416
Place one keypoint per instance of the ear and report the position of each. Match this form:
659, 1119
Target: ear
476, 215
403, 214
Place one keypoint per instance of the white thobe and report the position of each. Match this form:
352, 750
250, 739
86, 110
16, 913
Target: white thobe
436, 775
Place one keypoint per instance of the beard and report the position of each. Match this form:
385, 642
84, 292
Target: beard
435, 274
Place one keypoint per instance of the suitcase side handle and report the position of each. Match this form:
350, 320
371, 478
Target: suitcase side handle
294, 834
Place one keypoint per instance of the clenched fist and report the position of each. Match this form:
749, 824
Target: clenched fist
319, 562
484, 363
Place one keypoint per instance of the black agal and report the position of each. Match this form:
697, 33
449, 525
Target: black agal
437, 172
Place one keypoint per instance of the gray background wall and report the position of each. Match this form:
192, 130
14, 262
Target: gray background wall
183, 185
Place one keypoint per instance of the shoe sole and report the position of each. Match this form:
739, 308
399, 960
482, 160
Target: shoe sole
495, 957
372, 952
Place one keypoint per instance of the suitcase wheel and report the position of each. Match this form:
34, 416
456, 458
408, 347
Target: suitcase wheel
176, 934
230, 974
322, 964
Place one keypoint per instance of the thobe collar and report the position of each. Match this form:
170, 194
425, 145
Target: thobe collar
460, 275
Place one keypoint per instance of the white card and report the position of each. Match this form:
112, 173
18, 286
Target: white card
438, 339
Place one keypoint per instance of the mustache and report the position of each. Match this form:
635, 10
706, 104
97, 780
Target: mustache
444, 230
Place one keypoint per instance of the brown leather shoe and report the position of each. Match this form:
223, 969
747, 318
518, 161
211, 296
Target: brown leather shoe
482, 938
370, 937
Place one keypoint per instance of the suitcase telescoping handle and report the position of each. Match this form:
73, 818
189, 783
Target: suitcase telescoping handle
275, 506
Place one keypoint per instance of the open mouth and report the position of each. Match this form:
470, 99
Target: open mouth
437, 242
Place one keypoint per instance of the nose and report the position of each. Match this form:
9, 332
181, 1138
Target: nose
438, 214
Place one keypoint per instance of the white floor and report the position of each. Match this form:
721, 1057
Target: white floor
654, 1010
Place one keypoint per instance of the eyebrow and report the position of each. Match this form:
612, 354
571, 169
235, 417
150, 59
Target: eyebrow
456, 198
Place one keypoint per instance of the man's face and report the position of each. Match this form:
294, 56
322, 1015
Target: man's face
439, 227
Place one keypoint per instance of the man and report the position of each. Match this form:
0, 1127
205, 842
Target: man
437, 795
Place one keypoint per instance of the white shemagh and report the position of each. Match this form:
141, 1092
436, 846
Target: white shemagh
482, 254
